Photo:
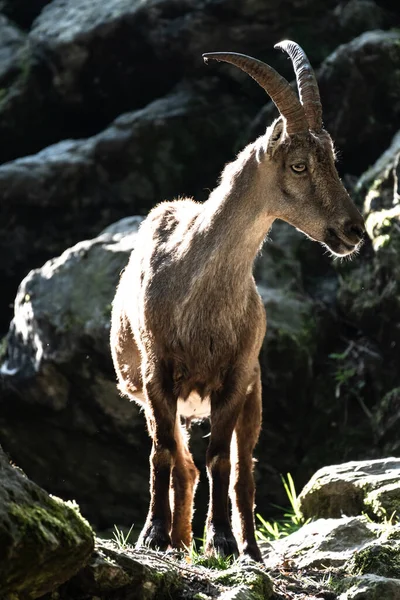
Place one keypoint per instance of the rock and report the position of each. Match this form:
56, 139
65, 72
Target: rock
357, 16
355, 78
386, 420
369, 299
369, 292
11, 42
349, 557
87, 61
70, 191
79, 287
60, 361
43, 540
380, 559
125, 572
370, 587
353, 487
323, 543
21, 12
378, 188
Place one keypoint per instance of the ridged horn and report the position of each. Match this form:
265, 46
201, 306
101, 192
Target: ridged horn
306, 83
274, 84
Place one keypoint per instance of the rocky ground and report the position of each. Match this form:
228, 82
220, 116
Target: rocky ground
348, 548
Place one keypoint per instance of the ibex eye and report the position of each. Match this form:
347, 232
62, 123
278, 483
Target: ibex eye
298, 167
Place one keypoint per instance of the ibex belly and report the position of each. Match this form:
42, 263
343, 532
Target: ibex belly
194, 407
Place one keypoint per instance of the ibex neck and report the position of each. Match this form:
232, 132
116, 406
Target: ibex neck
235, 218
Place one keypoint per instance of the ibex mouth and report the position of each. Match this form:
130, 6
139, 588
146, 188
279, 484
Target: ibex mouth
338, 245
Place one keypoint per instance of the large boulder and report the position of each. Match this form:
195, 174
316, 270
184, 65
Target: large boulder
345, 558
88, 61
330, 542
352, 488
11, 42
369, 296
21, 12
175, 146
94, 446
360, 91
43, 540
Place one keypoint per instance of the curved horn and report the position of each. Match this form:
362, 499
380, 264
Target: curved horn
276, 87
306, 82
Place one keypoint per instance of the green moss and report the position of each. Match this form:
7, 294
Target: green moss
42, 522
50, 542
256, 580
3, 348
378, 560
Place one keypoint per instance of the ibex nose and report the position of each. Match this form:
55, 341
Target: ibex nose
353, 230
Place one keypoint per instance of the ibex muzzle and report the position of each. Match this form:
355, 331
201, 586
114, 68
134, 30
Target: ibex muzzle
188, 322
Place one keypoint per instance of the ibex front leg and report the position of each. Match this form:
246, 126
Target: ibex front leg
226, 405
242, 487
161, 415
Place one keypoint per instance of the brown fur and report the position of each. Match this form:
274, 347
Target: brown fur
187, 318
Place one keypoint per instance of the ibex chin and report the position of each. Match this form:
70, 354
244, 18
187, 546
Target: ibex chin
188, 322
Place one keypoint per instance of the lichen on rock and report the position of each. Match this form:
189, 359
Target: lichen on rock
43, 540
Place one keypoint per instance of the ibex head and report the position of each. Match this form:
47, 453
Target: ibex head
298, 158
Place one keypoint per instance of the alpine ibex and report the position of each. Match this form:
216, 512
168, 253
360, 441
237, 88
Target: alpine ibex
188, 322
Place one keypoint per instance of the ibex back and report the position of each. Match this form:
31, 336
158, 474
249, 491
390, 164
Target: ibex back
188, 322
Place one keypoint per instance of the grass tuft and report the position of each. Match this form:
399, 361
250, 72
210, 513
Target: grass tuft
292, 518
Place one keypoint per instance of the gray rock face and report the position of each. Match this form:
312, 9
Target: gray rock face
78, 286
11, 42
89, 61
360, 98
43, 541
68, 192
369, 587
61, 359
21, 12
349, 557
352, 488
369, 291
324, 543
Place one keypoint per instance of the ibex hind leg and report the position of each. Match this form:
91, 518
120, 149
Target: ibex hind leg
226, 405
242, 490
126, 357
185, 476
161, 415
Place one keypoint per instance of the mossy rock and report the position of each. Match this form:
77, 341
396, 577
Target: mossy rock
369, 293
122, 572
382, 560
43, 540
386, 422
353, 488
250, 583
368, 587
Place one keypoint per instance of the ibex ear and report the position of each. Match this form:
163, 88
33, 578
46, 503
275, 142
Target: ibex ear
275, 134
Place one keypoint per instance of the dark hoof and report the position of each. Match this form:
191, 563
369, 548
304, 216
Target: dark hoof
251, 552
222, 543
154, 536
